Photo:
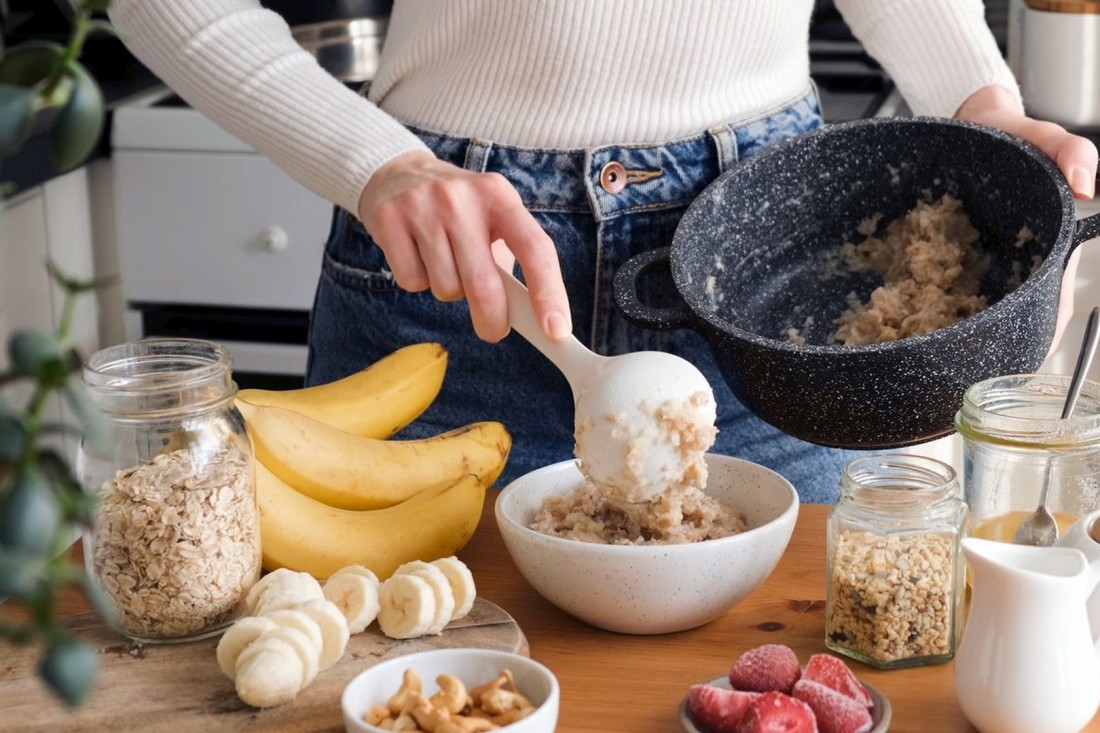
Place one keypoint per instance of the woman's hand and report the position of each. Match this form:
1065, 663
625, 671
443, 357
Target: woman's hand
435, 223
1075, 156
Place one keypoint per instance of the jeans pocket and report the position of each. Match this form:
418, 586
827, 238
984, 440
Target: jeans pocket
353, 259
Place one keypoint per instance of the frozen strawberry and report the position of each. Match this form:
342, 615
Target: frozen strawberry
716, 709
835, 712
833, 672
774, 712
766, 668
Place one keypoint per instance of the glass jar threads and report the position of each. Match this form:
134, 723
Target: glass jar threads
894, 585
1012, 432
176, 541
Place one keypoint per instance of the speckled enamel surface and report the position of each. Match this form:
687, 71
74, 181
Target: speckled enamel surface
746, 261
651, 589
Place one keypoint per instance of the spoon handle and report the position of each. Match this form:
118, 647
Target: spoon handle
569, 355
1084, 362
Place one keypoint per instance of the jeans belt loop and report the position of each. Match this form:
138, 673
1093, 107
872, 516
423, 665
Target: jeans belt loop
725, 142
477, 155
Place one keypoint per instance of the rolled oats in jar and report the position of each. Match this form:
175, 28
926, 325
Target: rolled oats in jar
894, 585
175, 542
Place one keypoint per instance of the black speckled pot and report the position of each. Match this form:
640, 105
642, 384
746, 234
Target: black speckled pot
746, 264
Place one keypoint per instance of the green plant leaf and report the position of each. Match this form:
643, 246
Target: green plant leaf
69, 667
16, 108
77, 128
77, 504
29, 350
100, 600
19, 572
28, 63
29, 515
13, 437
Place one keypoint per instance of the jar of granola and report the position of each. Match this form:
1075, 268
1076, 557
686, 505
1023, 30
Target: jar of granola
176, 541
895, 578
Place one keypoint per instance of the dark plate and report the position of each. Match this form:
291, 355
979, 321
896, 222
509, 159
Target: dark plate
880, 710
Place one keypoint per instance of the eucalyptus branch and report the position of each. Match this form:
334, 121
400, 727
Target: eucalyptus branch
81, 26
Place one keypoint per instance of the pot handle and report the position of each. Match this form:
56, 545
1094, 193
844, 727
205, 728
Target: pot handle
1087, 228
625, 286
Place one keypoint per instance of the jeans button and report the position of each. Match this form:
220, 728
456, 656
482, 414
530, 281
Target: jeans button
613, 177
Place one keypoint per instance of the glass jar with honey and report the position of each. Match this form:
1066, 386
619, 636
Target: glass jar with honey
1012, 432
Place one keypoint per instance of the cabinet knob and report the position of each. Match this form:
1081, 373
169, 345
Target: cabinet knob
274, 239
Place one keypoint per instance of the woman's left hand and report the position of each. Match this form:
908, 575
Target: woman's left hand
1076, 157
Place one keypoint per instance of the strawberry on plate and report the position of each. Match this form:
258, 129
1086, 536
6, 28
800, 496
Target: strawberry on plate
835, 712
775, 712
718, 709
834, 673
771, 667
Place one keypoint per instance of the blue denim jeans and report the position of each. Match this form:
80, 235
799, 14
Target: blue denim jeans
360, 314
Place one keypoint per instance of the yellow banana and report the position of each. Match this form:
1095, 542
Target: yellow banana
350, 472
301, 534
375, 402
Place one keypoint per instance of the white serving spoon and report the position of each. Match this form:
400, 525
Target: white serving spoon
621, 445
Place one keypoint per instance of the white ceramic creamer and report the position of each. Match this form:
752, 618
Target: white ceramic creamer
1080, 536
1027, 662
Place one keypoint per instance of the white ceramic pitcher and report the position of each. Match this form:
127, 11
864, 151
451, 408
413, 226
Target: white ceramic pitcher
1080, 536
1026, 663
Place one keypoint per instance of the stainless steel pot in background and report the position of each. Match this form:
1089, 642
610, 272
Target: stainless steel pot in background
348, 49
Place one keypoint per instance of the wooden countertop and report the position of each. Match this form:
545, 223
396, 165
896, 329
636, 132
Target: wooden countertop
634, 684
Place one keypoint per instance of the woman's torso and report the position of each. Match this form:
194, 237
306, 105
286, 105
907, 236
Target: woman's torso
569, 73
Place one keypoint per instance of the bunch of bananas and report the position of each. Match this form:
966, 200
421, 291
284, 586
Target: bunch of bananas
334, 491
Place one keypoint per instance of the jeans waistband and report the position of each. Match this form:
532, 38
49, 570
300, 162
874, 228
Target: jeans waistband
610, 180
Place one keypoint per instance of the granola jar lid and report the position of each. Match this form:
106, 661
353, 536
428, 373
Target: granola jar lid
894, 484
160, 378
1024, 411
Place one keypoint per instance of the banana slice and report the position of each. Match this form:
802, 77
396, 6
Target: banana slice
406, 607
444, 598
292, 618
462, 584
334, 629
286, 589
269, 672
237, 637
358, 570
357, 598
303, 647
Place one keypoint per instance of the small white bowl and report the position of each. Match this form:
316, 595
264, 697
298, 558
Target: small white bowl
375, 685
651, 589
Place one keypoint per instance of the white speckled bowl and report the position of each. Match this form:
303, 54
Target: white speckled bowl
376, 684
651, 589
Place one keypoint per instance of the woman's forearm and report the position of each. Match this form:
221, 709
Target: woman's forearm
237, 63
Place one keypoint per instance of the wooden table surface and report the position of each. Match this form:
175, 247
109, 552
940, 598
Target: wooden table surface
634, 684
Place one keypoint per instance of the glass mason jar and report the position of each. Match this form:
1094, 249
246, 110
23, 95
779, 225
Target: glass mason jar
894, 587
1012, 433
176, 538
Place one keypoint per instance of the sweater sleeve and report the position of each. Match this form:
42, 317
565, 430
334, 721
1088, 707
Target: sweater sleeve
238, 64
939, 52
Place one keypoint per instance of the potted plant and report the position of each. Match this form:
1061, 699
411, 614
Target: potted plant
46, 91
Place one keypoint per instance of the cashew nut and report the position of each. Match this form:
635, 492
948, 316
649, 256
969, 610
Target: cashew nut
429, 717
452, 694
470, 724
500, 701
405, 721
511, 716
376, 715
410, 688
503, 681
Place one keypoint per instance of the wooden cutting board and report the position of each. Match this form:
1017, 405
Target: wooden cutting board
179, 688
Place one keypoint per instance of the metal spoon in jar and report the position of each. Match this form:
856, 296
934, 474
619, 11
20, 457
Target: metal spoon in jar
1040, 528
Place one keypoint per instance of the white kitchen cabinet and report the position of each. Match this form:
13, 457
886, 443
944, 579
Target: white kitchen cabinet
49, 222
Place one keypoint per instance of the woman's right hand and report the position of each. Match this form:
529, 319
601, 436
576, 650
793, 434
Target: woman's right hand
435, 223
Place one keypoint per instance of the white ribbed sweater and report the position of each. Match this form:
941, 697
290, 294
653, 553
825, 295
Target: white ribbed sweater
551, 73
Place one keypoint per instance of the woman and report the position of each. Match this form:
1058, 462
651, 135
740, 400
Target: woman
576, 132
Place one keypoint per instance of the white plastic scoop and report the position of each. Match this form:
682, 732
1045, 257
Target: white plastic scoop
639, 416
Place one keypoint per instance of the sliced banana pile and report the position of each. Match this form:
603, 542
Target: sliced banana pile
298, 627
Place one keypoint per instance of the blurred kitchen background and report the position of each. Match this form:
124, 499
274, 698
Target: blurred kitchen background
211, 240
